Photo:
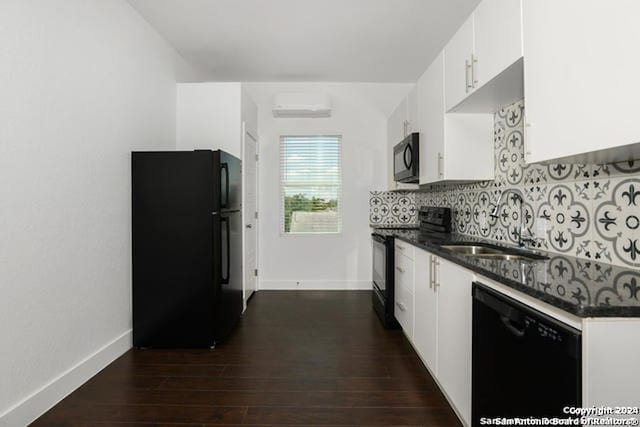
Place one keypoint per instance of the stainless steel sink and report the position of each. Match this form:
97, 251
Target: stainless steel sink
472, 250
493, 253
508, 257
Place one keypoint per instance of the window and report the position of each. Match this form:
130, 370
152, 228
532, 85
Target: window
311, 184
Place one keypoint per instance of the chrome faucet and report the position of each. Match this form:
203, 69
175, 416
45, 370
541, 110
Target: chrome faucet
523, 227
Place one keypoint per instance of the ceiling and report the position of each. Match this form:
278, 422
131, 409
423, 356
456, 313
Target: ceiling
307, 40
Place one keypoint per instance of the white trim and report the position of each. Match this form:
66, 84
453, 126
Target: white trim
41, 400
337, 285
246, 219
243, 155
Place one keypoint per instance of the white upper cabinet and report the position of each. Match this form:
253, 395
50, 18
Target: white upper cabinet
396, 123
453, 147
497, 26
401, 123
458, 65
482, 68
431, 119
581, 73
412, 111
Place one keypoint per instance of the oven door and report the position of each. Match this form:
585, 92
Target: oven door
379, 263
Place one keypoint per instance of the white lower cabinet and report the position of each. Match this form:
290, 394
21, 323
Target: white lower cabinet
453, 284
425, 329
403, 309
435, 312
441, 326
403, 286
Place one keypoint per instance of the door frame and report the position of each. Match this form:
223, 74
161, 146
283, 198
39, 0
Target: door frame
256, 221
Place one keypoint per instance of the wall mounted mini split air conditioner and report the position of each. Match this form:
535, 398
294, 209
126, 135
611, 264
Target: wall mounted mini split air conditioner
301, 105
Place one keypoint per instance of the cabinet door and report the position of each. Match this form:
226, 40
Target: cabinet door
581, 72
454, 334
404, 272
403, 310
397, 127
457, 56
412, 111
396, 123
426, 311
431, 119
497, 29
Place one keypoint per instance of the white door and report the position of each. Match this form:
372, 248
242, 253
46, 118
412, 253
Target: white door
250, 209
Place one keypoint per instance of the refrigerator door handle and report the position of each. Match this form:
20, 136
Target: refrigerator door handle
225, 167
226, 251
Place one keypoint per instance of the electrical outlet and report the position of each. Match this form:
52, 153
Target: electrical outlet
541, 227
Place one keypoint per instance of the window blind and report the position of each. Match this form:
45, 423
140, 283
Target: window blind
311, 184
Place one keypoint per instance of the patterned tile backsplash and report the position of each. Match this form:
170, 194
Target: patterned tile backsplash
587, 211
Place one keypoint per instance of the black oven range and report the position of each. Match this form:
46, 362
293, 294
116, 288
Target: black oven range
433, 220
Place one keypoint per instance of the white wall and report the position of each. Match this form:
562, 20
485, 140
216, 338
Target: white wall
208, 116
359, 114
82, 83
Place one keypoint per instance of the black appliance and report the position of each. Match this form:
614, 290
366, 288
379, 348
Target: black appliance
187, 247
525, 363
383, 278
406, 157
433, 221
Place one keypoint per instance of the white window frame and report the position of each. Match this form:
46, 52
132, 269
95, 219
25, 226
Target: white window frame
281, 184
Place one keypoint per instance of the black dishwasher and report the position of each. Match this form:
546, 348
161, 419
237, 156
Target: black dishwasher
525, 363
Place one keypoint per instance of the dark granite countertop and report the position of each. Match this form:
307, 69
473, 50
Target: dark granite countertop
580, 287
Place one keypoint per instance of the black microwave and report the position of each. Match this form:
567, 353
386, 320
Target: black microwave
406, 157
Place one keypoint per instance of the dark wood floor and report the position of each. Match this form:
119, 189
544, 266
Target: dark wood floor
296, 358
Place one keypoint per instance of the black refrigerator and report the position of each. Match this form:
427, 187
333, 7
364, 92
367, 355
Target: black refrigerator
187, 247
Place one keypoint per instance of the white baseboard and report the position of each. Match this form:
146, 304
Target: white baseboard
43, 399
316, 285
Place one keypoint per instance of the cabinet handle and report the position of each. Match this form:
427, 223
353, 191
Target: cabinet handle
436, 282
474, 77
430, 271
440, 165
467, 66
401, 270
527, 132
401, 306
